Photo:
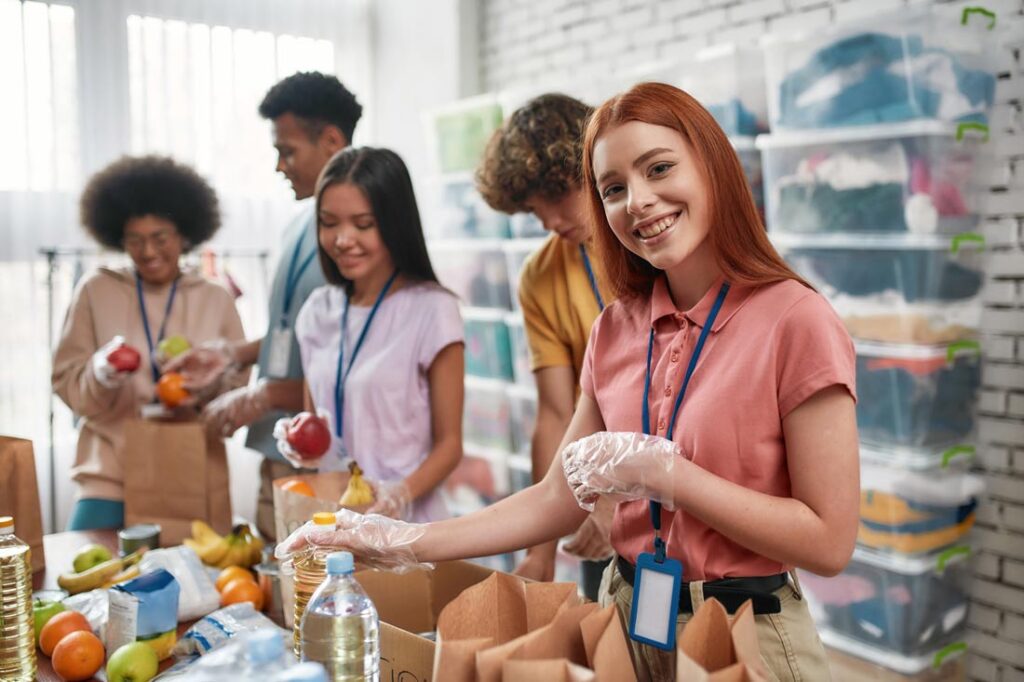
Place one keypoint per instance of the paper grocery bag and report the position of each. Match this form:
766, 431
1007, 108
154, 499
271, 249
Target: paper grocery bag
291, 510
713, 649
19, 495
604, 640
548, 670
174, 472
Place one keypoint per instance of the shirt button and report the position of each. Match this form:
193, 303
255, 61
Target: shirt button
668, 391
661, 425
675, 357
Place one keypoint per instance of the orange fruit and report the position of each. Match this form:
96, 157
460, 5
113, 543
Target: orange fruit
78, 656
242, 589
59, 627
298, 486
171, 389
231, 573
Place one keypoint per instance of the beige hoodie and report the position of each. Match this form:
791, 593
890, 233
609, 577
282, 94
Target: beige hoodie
105, 304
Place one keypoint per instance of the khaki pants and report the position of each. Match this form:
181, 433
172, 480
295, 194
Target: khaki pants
790, 647
271, 469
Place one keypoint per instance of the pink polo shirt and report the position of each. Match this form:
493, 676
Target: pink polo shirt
771, 348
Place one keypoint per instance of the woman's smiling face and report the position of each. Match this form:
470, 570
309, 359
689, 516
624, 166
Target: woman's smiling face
654, 194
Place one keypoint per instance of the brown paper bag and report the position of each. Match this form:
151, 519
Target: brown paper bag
604, 639
291, 510
19, 494
548, 670
174, 473
711, 649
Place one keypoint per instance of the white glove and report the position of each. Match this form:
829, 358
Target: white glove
623, 464
240, 407
374, 540
202, 367
391, 499
289, 453
106, 374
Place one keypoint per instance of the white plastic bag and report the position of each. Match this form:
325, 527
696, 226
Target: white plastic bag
220, 627
198, 593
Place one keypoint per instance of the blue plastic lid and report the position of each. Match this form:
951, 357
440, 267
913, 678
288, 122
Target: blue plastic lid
263, 646
304, 672
340, 563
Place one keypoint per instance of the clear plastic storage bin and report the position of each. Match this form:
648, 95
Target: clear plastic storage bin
453, 209
944, 665
907, 606
520, 351
919, 63
957, 456
523, 406
458, 133
915, 512
895, 290
516, 253
913, 177
488, 346
916, 396
474, 270
750, 159
486, 415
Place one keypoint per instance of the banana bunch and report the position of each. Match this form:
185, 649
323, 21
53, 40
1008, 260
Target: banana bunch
102, 575
238, 548
358, 493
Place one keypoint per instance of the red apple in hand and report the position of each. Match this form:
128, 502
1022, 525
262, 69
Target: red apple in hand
124, 358
308, 435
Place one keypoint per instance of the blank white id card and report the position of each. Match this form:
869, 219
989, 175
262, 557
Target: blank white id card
280, 352
655, 601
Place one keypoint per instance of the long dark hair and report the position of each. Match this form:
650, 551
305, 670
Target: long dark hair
384, 180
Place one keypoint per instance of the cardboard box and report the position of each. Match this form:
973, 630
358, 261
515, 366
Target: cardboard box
409, 604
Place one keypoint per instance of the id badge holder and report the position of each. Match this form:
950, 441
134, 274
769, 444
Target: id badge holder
656, 588
280, 352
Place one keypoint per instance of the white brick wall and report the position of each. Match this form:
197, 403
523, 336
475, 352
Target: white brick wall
552, 40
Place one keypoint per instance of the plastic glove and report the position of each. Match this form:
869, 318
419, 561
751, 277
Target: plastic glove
374, 540
592, 541
202, 367
106, 374
286, 449
391, 499
231, 411
623, 464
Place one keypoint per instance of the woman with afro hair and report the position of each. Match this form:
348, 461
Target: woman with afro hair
155, 210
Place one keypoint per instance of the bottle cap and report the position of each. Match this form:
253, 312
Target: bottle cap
6, 525
263, 646
340, 563
323, 519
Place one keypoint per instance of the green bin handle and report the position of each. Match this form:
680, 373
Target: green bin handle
973, 237
954, 348
949, 555
955, 451
945, 652
988, 14
962, 128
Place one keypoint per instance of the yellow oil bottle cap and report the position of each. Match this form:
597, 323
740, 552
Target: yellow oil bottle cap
323, 519
6, 521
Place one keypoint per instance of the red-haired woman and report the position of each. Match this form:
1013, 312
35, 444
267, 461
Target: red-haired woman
755, 472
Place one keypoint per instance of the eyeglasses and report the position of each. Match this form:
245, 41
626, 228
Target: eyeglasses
137, 243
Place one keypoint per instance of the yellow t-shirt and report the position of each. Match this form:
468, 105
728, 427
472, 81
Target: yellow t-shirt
559, 306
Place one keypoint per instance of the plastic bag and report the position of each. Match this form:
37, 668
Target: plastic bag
220, 627
198, 593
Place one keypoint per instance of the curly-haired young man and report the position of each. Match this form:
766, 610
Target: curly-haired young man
532, 164
313, 116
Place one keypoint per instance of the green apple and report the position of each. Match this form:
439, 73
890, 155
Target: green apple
172, 346
89, 556
43, 611
134, 662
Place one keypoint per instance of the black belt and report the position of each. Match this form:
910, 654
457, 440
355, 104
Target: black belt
731, 592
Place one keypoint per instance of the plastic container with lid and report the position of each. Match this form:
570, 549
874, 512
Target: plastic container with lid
924, 62
917, 177
454, 209
520, 351
457, 133
901, 289
486, 420
488, 346
909, 606
916, 396
523, 410
915, 512
516, 253
943, 665
474, 270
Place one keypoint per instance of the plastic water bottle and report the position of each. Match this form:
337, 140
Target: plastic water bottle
17, 635
303, 672
255, 656
264, 653
340, 628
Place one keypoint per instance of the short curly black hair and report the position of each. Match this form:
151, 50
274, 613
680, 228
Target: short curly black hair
538, 151
136, 186
317, 99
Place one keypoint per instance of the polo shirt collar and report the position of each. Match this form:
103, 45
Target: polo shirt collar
662, 305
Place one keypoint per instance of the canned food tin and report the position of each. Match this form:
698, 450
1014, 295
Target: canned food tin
141, 535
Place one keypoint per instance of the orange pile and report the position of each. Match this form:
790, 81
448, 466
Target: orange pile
236, 585
76, 653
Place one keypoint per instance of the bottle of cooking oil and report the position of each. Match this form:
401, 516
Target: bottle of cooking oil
340, 628
17, 629
310, 570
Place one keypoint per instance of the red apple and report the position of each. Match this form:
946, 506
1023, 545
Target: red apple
308, 435
124, 358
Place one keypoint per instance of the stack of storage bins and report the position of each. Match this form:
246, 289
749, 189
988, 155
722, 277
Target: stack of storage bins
877, 131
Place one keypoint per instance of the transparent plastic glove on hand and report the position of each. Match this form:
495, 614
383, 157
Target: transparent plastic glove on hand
391, 499
202, 367
103, 369
231, 411
626, 465
376, 541
297, 460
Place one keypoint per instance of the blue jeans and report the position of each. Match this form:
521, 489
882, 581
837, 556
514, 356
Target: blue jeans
93, 513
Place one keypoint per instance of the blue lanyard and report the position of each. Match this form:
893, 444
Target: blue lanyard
590, 276
339, 378
145, 321
659, 544
292, 280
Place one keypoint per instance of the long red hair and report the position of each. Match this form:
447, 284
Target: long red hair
742, 250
